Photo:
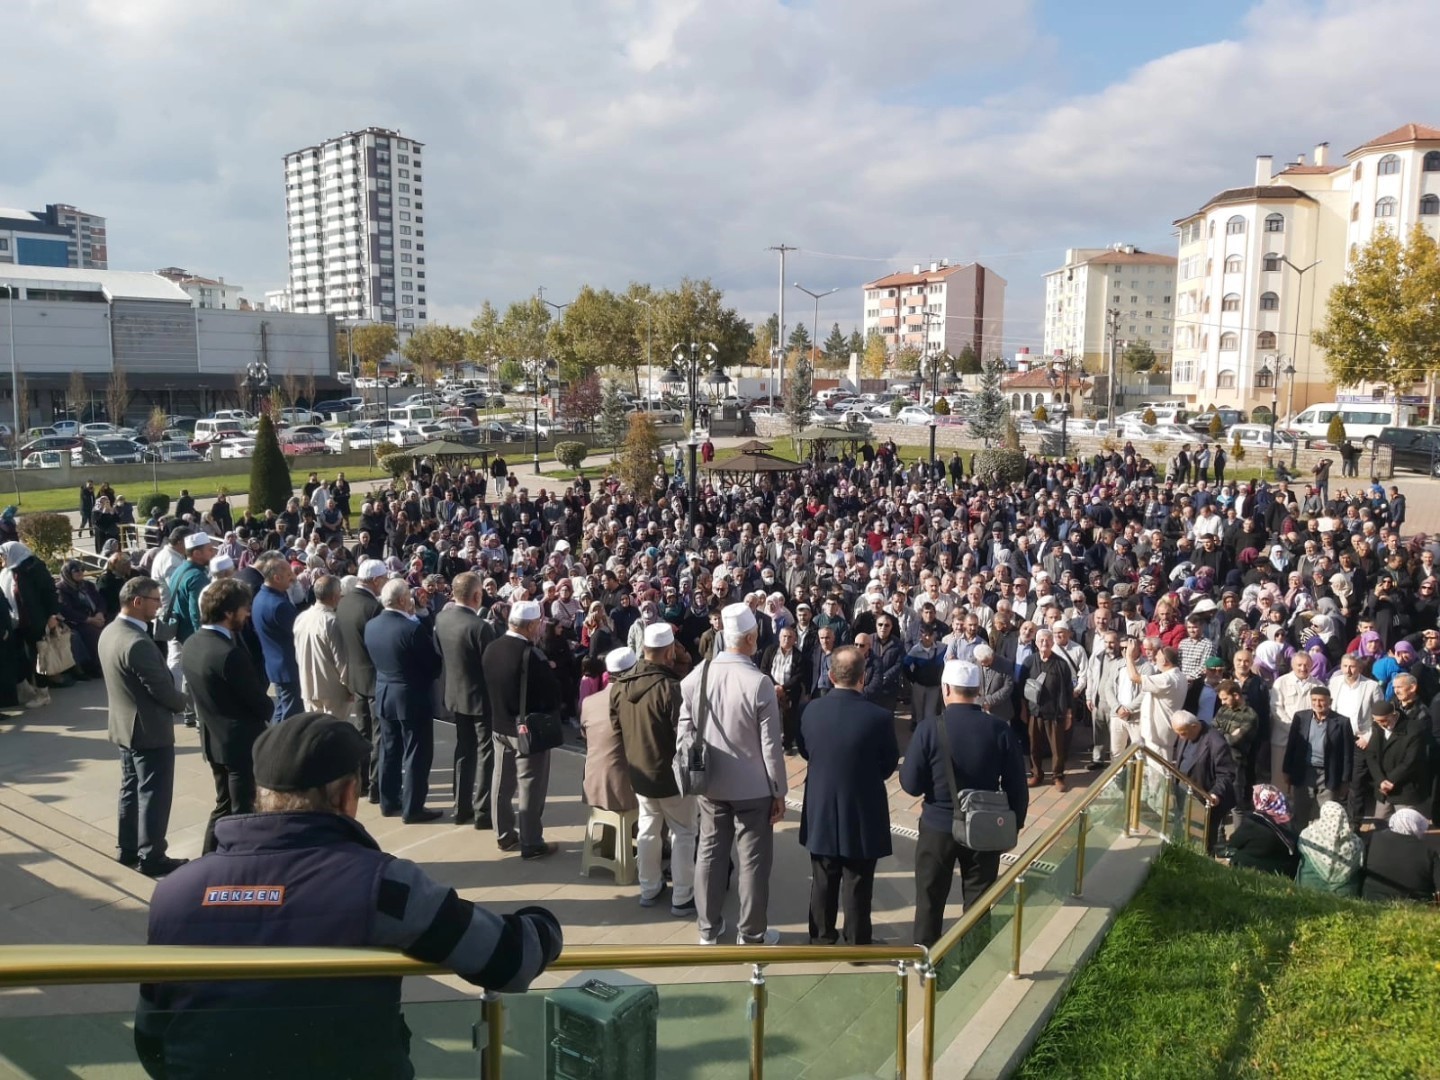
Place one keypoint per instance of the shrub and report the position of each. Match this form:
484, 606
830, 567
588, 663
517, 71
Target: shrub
270, 486
1217, 427
1149, 416
397, 464
1237, 452
571, 454
1041, 414
1000, 464
1260, 414
1335, 433
385, 449
942, 407
895, 406
1010, 437
156, 501
48, 536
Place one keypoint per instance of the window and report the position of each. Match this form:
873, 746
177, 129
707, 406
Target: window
1271, 264
1225, 380
1235, 226
1275, 223
1430, 204
1265, 339
1389, 165
1355, 212
1357, 170
1432, 162
403, 243
1234, 264
1385, 207
1269, 302
1231, 302
401, 187
1229, 341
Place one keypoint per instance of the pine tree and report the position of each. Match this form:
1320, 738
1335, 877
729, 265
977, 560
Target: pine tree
798, 401
855, 345
270, 486
799, 337
991, 412
837, 351
640, 456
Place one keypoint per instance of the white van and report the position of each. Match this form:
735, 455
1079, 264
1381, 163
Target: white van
1363, 420
407, 416
206, 431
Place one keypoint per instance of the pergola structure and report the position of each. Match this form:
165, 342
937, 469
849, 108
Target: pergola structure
820, 438
751, 460
446, 453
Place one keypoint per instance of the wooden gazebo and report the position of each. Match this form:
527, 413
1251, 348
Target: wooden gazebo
751, 459
447, 453
820, 438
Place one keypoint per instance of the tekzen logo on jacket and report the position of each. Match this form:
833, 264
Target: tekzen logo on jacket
244, 896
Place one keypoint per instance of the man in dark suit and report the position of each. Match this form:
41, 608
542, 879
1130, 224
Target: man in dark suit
985, 755
274, 618
793, 674
462, 636
1397, 758
1202, 754
230, 699
142, 702
526, 779
406, 667
1319, 757
845, 821
355, 610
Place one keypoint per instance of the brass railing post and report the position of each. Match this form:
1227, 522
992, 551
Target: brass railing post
492, 1014
1137, 779
1189, 811
902, 1019
927, 1031
1018, 929
1082, 825
757, 1022
1165, 792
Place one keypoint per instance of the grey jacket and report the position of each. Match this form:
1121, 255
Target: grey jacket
742, 729
142, 693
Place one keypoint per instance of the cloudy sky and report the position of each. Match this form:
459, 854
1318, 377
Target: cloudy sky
603, 141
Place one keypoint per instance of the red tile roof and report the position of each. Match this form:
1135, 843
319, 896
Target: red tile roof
1310, 170
1136, 258
901, 278
1038, 378
1405, 133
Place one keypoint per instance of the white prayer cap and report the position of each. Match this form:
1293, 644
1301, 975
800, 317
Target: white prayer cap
523, 611
737, 619
562, 545
658, 635
619, 660
198, 540
962, 674
221, 563
371, 569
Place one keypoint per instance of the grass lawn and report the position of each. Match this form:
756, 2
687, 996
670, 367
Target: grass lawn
1212, 972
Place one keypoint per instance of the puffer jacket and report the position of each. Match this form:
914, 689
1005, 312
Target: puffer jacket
645, 709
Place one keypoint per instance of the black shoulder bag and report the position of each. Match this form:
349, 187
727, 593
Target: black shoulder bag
538, 731
983, 820
691, 754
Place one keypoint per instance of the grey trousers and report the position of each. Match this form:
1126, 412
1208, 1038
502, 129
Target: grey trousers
530, 778
744, 823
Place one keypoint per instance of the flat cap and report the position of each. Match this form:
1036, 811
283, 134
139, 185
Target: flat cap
308, 750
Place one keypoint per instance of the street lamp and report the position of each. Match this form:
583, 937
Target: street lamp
1273, 377
649, 370
1060, 373
1295, 350
257, 378
815, 324
686, 362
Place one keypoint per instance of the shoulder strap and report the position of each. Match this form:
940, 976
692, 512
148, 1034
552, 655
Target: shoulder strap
524, 681
943, 733
702, 707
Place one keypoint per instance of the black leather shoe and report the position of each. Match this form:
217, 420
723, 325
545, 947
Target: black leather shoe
484, 824
540, 851
463, 817
388, 813
423, 816
128, 858
513, 844
158, 868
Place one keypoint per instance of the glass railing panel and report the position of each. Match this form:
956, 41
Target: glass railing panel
970, 972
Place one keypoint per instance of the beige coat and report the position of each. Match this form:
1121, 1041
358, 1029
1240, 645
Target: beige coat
607, 772
321, 658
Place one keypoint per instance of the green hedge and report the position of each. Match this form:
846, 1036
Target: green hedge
1005, 465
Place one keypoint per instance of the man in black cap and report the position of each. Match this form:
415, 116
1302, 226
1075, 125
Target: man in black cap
303, 871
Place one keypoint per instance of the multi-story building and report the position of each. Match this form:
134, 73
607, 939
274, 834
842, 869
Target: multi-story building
1079, 296
215, 293
59, 235
942, 309
1256, 266
355, 215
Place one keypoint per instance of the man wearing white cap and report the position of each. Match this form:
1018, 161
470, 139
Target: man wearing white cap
645, 709
738, 718
525, 780
182, 607
985, 756
607, 772
355, 610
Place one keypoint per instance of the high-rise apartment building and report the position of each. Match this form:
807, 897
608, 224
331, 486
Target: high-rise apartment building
59, 235
1257, 263
1140, 285
942, 309
355, 216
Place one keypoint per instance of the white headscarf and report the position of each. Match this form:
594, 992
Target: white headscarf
1330, 846
1408, 822
15, 553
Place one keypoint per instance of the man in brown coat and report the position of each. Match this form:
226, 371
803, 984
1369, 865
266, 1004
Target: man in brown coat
607, 772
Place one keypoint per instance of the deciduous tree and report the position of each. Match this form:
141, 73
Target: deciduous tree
640, 456
117, 397
876, 357
1139, 357
373, 343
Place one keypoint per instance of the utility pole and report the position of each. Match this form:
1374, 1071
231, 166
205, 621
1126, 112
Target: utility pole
1112, 321
777, 372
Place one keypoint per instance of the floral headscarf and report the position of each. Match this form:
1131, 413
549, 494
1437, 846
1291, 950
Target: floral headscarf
1330, 846
1270, 802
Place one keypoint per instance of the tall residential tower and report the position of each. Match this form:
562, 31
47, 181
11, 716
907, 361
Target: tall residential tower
355, 216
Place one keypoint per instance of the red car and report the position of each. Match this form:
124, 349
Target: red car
294, 444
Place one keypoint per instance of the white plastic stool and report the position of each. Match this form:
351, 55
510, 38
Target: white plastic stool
623, 865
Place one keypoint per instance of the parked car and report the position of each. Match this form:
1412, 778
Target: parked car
62, 427
335, 405
307, 429
42, 459
499, 431
106, 431
1259, 435
61, 443
1415, 448
915, 415
237, 448
356, 438
215, 430
1175, 433
293, 416
1228, 419
172, 451
233, 414
111, 451
293, 444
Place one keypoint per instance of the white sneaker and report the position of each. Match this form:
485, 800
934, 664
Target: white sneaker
770, 937
716, 939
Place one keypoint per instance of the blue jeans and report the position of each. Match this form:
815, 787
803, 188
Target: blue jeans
147, 785
287, 701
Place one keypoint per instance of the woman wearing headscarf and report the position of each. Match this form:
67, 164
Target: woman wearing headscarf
83, 612
30, 591
104, 523
9, 527
118, 570
1331, 855
597, 632
1263, 840
1399, 863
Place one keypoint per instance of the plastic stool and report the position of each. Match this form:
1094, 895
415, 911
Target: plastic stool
623, 864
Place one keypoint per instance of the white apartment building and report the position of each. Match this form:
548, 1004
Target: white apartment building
1140, 285
942, 309
1256, 266
212, 293
355, 217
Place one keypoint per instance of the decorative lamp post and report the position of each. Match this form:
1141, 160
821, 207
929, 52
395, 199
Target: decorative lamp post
257, 379
1060, 374
687, 360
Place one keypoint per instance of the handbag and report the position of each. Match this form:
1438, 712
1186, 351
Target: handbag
52, 653
1034, 687
691, 761
984, 820
535, 732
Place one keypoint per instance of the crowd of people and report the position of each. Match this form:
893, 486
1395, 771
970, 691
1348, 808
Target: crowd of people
1262, 637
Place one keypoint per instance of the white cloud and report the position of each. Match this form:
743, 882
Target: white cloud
604, 141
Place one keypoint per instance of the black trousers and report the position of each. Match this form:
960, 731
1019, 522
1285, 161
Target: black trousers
234, 794
837, 883
147, 788
407, 750
365, 721
936, 854
473, 747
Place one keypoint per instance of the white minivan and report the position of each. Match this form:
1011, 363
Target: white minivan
1363, 420
408, 416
